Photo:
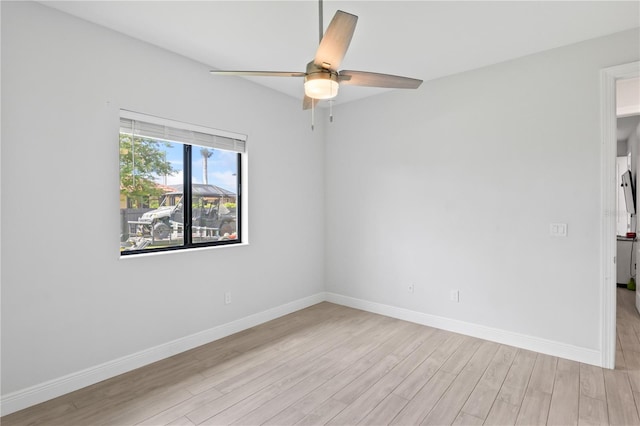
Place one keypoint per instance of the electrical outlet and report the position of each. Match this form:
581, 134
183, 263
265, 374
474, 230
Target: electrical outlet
227, 298
454, 296
410, 288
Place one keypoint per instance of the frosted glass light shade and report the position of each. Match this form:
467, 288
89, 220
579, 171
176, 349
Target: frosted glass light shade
321, 86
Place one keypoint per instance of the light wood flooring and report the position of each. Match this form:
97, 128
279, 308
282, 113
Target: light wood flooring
338, 366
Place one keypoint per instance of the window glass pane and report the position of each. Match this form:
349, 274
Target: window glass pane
151, 178
214, 188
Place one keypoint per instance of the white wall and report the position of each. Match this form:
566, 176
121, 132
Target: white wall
68, 301
454, 187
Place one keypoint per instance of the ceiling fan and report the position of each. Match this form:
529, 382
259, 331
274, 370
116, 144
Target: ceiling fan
322, 78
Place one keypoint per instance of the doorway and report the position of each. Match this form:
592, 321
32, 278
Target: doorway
609, 78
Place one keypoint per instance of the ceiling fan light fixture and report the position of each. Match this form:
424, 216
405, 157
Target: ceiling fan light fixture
321, 85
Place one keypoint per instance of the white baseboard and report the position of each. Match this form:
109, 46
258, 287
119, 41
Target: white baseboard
549, 347
53, 388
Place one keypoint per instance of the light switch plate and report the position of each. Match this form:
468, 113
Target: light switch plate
558, 229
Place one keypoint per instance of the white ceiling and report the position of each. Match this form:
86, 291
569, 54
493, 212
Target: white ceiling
420, 39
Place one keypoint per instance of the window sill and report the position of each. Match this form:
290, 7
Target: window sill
188, 250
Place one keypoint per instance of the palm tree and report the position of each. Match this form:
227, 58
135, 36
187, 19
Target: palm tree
206, 154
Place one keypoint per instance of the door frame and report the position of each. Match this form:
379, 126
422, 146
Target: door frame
608, 78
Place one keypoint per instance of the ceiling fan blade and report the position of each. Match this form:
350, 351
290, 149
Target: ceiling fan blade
260, 73
373, 79
306, 103
335, 41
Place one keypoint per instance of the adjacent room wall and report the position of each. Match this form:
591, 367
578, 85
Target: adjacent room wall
68, 301
454, 187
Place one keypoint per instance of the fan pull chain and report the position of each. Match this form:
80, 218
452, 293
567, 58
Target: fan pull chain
313, 114
331, 110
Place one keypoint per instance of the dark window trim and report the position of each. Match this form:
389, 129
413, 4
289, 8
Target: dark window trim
187, 201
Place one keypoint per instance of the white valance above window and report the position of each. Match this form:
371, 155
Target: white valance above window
144, 125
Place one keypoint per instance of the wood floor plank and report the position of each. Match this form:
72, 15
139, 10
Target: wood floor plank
535, 408
180, 410
415, 336
566, 394
537, 399
592, 382
292, 387
269, 407
515, 384
354, 366
266, 408
389, 355
233, 373
632, 367
462, 355
376, 393
279, 374
543, 374
621, 363
246, 372
351, 392
133, 412
269, 377
620, 401
182, 421
423, 351
45, 413
365, 402
318, 397
424, 401
481, 399
246, 399
322, 414
447, 408
465, 419
592, 412
168, 372
423, 372
627, 324
502, 413
636, 397
628, 339
385, 411
119, 408
248, 365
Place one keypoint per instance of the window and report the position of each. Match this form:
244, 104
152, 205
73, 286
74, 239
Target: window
180, 185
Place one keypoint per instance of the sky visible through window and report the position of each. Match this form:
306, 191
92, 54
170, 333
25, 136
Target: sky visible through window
221, 167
